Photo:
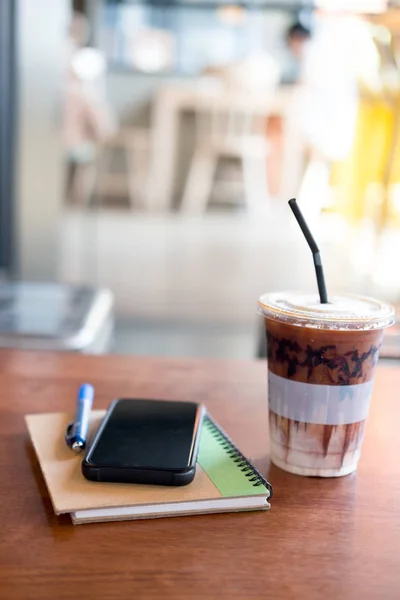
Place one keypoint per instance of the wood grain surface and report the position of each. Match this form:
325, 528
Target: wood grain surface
337, 538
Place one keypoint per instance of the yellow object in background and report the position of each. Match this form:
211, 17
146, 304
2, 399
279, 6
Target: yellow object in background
373, 167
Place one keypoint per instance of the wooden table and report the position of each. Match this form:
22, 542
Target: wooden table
173, 99
322, 538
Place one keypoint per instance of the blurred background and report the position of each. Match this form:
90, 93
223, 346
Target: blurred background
148, 149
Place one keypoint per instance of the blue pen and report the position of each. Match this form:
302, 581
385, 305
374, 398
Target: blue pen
76, 433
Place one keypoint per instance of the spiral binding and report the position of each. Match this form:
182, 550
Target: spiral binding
253, 475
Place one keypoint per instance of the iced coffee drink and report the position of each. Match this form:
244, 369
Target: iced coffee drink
321, 362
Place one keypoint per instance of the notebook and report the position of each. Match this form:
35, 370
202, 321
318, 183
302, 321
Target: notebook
225, 480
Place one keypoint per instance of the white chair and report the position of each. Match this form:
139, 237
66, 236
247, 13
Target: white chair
227, 126
133, 181
232, 123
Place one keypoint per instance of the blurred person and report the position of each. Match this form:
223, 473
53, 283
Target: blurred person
87, 120
297, 38
78, 31
323, 117
328, 80
88, 117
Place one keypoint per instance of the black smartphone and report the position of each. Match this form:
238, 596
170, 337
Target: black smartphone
146, 441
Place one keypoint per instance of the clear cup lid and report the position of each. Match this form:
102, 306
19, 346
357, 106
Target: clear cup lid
343, 312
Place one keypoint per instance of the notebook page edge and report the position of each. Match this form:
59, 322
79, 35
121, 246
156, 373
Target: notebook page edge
220, 505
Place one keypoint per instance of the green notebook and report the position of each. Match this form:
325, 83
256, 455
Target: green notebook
229, 470
225, 480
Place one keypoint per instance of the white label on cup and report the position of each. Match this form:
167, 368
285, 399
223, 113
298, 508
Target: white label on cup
320, 404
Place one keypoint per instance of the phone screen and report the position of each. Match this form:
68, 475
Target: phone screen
151, 434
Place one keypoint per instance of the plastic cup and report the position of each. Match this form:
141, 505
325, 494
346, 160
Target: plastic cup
321, 363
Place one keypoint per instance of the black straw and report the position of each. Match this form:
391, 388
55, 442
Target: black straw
323, 296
